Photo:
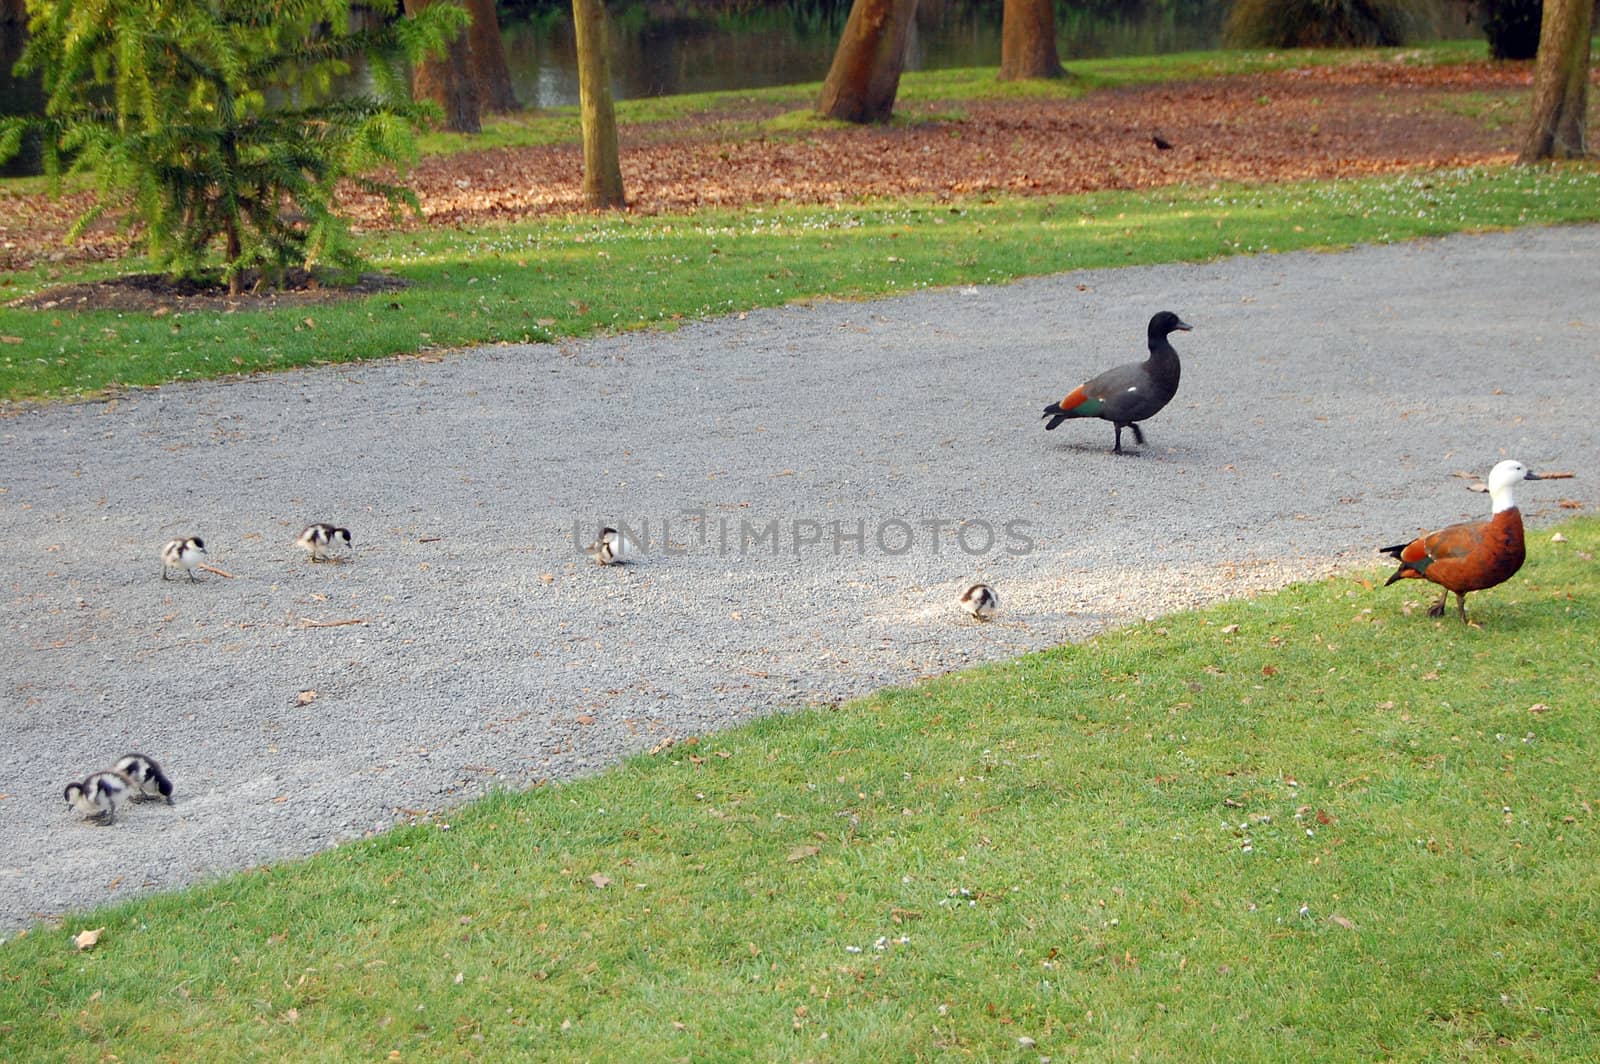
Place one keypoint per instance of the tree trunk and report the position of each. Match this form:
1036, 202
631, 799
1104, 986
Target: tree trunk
1028, 41
865, 74
447, 80
489, 68
602, 170
1560, 84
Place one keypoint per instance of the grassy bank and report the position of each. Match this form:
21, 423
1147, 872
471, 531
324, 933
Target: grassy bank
945, 89
1312, 826
538, 281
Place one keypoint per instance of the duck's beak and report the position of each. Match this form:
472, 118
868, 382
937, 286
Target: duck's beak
1185, 326
1532, 476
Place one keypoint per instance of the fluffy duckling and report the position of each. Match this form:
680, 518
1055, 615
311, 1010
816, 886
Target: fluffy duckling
98, 796
149, 782
320, 538
182, 554
980, 601
610, 547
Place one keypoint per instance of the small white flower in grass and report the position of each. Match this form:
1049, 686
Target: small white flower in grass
852, 949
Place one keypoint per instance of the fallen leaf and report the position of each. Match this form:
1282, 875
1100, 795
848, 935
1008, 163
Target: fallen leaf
600, 880
1269, 670
10, 339
1538, 707
585, 718
86, 939
1343, 921
306, 697
1570, 504
1558, 538
1230, 629
800, 853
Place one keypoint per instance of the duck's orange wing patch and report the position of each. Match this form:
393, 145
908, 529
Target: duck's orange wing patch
1075, 398
1455, 542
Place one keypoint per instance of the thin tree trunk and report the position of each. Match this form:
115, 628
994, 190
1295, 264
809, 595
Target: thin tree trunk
1028, 41
865, 75
447, 80
602, 169
489, 68
1560, 84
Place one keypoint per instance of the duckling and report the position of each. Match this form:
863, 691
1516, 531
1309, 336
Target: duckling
319, 539
98, 796
980, 600
610, 547
148, 780
182, 554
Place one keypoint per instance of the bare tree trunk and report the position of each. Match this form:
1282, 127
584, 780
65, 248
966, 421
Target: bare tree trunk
1560, 84
865, 75
602, 169
14, 11
1028, 41
447, 81
489, 69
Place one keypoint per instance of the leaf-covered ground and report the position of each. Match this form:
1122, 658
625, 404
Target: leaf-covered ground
1354, 119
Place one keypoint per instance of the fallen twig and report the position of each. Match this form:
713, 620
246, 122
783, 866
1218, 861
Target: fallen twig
214, 569
307, 622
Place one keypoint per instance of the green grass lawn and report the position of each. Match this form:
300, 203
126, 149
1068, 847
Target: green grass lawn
535, 281
1314, 825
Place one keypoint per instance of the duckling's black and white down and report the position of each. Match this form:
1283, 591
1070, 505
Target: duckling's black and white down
182, 554
320, 538
98, 796
980, 600
149, 782
610, 547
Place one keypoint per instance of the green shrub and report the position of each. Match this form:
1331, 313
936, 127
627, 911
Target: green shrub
213, 125
1320, 23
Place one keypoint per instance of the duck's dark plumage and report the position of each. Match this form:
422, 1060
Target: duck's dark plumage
1129, 393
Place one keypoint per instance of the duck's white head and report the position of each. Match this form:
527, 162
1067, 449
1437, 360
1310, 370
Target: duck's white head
1503, 479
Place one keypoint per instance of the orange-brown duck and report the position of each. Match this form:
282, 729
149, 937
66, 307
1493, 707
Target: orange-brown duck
1473, 555
1128, 394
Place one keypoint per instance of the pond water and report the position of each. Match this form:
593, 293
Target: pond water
668, 55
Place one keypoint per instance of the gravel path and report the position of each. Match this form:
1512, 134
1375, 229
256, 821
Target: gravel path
1327, 399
